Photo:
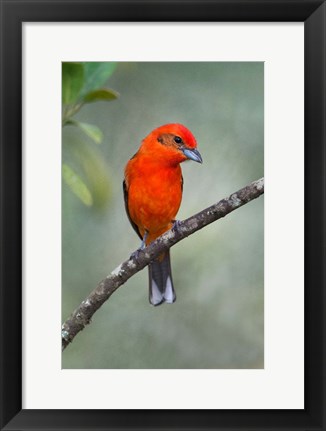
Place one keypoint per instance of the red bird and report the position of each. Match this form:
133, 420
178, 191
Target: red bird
153, 190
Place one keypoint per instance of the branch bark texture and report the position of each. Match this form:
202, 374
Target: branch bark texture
84, 312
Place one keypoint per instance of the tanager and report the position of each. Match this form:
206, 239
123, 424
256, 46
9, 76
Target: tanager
152, 188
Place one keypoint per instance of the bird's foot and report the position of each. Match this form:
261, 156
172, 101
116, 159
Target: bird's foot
143, 243
135, 254
176, 226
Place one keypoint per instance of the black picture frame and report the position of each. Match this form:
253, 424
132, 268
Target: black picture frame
13, 14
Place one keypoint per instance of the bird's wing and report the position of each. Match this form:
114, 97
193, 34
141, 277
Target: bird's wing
125, 194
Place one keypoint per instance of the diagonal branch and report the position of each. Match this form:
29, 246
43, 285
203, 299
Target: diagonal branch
83, 314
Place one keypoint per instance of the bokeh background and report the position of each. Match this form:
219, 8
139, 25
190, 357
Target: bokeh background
218, 318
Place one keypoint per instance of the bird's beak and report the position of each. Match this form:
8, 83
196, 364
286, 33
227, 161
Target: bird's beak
193, 155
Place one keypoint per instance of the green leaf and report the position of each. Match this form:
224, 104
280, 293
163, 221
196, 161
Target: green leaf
77, 185
96, 171
91, 130
105, 94
72, 81
96, 75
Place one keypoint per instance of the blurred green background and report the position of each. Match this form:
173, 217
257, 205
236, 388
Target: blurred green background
218, 318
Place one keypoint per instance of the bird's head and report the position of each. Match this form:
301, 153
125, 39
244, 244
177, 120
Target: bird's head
173, 143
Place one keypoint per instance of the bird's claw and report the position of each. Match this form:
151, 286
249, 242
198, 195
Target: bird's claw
135, 254
176, 226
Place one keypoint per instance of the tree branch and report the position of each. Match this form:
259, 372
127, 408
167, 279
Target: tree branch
83, 314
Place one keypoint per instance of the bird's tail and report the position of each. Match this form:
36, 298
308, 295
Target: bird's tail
160, 281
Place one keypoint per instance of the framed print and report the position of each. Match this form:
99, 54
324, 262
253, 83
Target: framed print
239, 87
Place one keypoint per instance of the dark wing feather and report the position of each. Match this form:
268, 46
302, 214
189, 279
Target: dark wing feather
125, 194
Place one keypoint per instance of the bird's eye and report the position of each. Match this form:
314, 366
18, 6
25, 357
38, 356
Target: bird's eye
177, 139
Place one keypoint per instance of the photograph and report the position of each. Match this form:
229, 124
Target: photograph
162, 215
146, 146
